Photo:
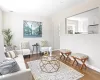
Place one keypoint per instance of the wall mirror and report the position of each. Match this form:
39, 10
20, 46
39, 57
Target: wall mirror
83, 23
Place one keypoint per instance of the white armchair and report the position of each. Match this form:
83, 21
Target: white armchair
25, 48
45, 48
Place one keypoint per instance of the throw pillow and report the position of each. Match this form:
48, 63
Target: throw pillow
11, 54
8, 54
44, 43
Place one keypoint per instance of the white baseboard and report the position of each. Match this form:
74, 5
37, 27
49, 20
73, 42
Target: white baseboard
55, 49
94, 68
90, 66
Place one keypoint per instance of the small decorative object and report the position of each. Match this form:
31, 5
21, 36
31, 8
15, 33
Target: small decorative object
46, 53
70, 31
37, 44
7, 33
49, 64
32, 29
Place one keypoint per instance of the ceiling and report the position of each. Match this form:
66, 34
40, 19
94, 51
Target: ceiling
37, 7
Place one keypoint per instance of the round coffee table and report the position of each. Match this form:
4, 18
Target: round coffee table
49, 64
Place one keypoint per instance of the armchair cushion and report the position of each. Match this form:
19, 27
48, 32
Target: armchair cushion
26, 51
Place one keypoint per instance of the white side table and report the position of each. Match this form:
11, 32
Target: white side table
48, 49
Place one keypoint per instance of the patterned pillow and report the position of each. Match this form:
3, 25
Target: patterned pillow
7, 54
11, 54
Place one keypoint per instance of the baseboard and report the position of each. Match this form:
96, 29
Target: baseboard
94, 68
90, 66
55, 49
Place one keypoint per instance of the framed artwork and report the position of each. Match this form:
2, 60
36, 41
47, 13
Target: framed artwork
32, 29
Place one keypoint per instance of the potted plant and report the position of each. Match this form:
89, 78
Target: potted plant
7, 33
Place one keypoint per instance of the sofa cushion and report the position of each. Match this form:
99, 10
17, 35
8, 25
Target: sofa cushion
20, 61
20, 75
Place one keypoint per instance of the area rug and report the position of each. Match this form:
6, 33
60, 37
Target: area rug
64, 73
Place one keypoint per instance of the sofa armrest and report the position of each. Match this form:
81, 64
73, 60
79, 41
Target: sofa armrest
20, 75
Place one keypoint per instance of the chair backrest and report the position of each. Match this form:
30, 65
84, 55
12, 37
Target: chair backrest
25, 45
44, 43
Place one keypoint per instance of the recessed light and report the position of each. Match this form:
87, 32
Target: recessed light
61, 2
11, 11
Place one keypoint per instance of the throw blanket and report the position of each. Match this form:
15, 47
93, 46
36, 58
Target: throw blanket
8, 66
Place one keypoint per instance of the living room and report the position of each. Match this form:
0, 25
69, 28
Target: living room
54, 40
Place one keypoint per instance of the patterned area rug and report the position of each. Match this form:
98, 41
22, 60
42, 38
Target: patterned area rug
64, 73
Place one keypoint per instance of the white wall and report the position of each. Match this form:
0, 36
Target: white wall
2, 57
14, 21
87, 44
0, 20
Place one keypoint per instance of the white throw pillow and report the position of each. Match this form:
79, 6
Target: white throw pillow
44, 43
11, 54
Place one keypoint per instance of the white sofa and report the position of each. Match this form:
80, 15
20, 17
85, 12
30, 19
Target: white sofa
23, 74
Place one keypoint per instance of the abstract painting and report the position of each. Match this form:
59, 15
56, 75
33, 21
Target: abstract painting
32, 29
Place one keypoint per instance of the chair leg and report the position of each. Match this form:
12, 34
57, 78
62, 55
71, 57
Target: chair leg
29, 56
74, 62
83, 64
40, 53
60, 56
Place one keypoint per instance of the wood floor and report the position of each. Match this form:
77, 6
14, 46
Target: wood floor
89, 74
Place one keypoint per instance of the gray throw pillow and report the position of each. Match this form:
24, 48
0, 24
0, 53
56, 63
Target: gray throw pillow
8, 66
